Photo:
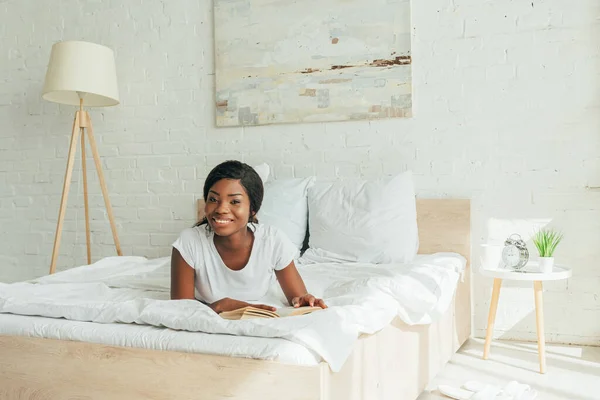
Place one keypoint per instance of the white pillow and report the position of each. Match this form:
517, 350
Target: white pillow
285, 207
363, 221
263, 170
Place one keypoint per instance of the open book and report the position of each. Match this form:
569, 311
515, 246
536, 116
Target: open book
253, 312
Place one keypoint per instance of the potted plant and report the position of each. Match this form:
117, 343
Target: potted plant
546, 241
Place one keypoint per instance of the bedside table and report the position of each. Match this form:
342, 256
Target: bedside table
528, 273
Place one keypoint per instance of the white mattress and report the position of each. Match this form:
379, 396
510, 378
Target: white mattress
151, 337
95, 300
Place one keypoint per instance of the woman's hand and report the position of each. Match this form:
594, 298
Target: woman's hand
293, 286
227, 304
308, 300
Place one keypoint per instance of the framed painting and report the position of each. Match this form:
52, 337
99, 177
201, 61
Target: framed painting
280, 61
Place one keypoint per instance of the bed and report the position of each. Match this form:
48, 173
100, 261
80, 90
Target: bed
395, 362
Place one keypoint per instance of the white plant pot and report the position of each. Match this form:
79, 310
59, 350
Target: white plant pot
546, 264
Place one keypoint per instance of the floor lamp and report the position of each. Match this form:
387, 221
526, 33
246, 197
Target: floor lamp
81, 73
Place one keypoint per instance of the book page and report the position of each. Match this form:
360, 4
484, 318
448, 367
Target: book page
254, 312
291, 311
259, 313
248, 312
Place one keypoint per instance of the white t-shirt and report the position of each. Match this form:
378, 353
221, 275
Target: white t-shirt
271, 251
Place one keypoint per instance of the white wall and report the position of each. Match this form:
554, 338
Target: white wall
507, 112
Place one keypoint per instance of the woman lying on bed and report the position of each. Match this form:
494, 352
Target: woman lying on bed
228, 259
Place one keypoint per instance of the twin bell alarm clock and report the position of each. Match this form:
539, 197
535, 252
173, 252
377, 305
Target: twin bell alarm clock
515, 254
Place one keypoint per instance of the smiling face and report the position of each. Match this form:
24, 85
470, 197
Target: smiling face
227, 207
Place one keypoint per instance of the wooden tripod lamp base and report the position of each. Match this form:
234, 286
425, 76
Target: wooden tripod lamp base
81, 125
81, 72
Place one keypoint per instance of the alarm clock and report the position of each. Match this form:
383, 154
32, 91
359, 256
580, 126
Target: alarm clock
515, 254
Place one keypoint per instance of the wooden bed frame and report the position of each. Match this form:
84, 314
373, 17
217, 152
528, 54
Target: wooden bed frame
395, 363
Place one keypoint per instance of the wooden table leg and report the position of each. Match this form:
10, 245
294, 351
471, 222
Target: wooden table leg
539, 320
492, 317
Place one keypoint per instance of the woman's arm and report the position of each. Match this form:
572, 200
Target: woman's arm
182, 277
294, 289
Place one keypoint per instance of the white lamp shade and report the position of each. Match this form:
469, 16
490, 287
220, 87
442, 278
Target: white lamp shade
81, 68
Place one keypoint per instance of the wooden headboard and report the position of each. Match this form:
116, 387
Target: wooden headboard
445, 225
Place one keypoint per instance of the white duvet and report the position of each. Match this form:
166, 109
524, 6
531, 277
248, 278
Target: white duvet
362, 298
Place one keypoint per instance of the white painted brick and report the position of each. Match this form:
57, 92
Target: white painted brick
8, 155
303, 157
168, 148
304, 170
7, 143
283, 140
252, 143
195, 186
27, 166
120, 162
177, 226
22, 201
155, 213
150, 174
164, 187
371, 170
168, 174
149, 134
364, 139
153, 162
143, 226
175, 97
134, 149
176, 201
349, 155
489, 21
133, 240
500, 72
6, 166
346, 170
539, 17
42, 178
184, 160
584, 284
116, 137
219, 146
283, 172
214, 160
142, 201
159, 239
128, 187
185, 173
325, 170
150, 251
317, 140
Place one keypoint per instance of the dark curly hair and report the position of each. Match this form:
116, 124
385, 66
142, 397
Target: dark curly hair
249, 179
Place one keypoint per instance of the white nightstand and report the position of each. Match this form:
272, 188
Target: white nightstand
559, 272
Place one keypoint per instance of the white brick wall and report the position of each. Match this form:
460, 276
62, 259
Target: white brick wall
507, 112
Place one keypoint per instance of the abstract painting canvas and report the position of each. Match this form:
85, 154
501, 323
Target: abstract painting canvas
284, 61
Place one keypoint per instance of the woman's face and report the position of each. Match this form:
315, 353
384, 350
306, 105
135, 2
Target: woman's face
227, 207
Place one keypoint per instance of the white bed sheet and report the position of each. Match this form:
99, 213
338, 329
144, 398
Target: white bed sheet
156, 338
96, 299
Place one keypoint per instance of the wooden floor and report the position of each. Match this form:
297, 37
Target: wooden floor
572, 373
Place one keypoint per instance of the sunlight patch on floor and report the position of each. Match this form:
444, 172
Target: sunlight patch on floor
573, 372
